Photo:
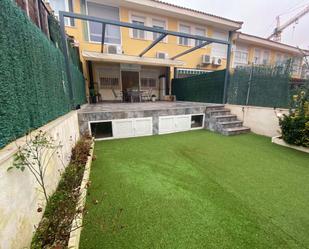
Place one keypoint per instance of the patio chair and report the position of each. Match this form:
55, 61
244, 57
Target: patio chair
146, 96
117, 96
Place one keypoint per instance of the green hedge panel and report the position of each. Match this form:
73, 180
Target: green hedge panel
33, 81
269, 86
206, 87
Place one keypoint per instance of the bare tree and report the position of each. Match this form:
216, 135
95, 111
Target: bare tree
35, 156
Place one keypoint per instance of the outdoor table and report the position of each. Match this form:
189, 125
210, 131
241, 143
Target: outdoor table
134, 94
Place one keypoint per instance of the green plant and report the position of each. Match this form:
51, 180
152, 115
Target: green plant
295, 130
55, 227
295, 125
35, 156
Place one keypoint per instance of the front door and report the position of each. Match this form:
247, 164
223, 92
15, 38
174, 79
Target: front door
130, 80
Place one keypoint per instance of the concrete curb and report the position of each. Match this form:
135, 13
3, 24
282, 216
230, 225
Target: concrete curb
78, 221
279, 141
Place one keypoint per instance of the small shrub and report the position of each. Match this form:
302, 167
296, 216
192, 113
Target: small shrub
295, 126
295, 130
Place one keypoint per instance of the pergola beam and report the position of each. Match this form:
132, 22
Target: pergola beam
103, 37
191, 50
155, 42
140, 27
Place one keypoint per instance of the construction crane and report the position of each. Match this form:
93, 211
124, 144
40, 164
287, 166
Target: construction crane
276, 35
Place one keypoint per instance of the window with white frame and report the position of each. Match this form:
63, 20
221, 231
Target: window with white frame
158, 24
187, 30
261, 57
266, 57
148, 82
296, 66
137, 33
149, 79
241, 55
63, 5
108, 78
108, 82
279, 59
257, 56
199, 32
217, 49
112, 33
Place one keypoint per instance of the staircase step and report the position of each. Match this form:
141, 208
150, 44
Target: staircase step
218, 112
214, 107
235, 131
231, 124
226, 118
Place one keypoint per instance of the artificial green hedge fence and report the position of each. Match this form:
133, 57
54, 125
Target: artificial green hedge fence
206, 87
33, 81
269, 86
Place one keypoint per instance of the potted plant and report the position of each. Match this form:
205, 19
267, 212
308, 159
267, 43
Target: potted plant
153, 98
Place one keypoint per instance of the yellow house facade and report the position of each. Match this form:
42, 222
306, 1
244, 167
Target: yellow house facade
120, 67
249, 49
116, 67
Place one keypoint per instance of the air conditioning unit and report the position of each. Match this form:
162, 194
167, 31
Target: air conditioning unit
113, 49
217, 61
161, 55
206, 59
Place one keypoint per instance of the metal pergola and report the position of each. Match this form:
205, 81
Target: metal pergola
163, 33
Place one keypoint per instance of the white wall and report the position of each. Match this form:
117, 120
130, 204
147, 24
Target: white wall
261, 120
20, 195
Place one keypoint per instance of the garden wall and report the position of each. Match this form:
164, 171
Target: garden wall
20, 196
261, 120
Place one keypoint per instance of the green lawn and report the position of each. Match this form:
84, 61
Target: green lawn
197, 190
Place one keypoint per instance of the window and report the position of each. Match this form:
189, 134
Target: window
63, 5
257, 56
200, 32
279, 59
217, 49
137, 33
184, 29
148, 83
112, 33
296, 66
266, 57
109, 82
159, 25
261, 57
241, 57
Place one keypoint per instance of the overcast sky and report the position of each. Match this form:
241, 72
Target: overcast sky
258, 16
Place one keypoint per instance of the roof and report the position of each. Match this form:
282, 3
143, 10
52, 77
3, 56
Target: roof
197, 11
270, 43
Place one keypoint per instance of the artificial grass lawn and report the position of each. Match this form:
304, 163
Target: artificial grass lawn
197, 190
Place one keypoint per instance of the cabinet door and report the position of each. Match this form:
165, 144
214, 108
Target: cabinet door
166, 124
143, 126
123, 128
183, 123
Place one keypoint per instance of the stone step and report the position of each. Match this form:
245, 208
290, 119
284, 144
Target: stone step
235, 131
215, 107
218, 112
230, 124
226, 118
